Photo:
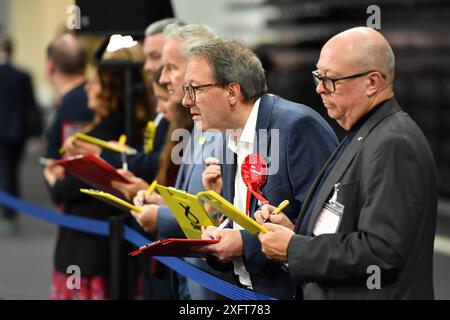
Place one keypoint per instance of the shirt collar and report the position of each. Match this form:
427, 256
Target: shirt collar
248, 133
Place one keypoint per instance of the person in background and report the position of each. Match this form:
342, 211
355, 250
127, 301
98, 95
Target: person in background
159, 280
145, 163
143, 167
88, 251
157, 217
20, 119
65, 69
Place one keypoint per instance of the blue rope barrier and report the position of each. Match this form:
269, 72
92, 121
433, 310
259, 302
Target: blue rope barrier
100, 227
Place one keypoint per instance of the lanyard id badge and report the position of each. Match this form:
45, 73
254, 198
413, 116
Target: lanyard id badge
330, 217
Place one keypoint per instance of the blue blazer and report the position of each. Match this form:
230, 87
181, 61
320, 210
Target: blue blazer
305, 141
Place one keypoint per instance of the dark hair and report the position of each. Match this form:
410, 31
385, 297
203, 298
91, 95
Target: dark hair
112, 81
232, 61
69, 56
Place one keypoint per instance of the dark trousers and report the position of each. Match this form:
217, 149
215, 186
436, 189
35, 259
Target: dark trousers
10, 157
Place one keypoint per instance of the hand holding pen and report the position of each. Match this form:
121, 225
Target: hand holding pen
269, 213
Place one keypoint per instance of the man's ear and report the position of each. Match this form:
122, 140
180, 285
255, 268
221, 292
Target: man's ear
50, 67
234, 93
374, 83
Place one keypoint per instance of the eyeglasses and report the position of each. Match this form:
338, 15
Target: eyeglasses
190, 89
330, 83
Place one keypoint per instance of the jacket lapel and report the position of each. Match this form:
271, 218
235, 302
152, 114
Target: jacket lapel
312, 190
261, 144
346, 158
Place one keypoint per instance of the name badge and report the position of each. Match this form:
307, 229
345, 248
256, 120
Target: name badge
330, 217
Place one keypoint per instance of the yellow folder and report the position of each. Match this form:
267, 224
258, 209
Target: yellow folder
222, 205
112, 200
187, 209
105, 144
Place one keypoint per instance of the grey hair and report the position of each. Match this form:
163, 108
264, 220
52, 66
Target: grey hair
231, 62
157, 27
190, 35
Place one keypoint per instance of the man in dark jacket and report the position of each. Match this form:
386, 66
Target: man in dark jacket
19, 119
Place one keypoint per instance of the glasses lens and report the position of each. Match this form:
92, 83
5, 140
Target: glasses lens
191, 92
328, 84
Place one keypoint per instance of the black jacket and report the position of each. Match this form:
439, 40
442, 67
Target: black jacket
89, 252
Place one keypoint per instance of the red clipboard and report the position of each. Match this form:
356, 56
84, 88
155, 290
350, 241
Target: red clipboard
174, 247
95, 172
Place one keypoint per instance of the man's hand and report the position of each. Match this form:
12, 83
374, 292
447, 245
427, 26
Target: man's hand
147, 218
142, 198
53, 172
73, 147
129, 190
265, 215
230, 246
212, 176
274, 244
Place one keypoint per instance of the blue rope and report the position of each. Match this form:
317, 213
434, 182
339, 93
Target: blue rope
101, 227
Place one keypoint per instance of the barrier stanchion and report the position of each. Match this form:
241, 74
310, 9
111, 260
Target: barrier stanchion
120, 265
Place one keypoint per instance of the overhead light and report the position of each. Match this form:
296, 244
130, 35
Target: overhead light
117, 41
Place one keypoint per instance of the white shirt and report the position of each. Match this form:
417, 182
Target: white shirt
242, 145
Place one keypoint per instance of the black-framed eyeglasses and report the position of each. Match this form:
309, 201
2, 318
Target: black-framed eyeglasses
190, 89
330, 83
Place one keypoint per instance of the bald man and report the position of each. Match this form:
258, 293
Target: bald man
367, 226
65, 67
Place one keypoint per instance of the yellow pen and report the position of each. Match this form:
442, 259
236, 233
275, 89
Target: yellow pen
122, 140
151, 188
280, 207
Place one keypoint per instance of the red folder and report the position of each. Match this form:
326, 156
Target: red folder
174, 247
94, 171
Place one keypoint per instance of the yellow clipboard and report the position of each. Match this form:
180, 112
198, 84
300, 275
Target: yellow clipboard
112, 200
222, 205
187, 209
105, 144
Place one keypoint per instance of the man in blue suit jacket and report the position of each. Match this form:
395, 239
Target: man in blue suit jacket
19, 119
224, 86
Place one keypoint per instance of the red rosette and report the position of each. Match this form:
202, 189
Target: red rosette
254, 175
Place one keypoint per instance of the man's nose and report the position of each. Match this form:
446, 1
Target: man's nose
164, 79
187, 102
320, 88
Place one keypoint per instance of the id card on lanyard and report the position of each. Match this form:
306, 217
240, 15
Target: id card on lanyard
330, 216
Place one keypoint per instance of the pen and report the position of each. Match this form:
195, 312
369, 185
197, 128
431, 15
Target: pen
221, 226
280, 207
151, 188
122, 140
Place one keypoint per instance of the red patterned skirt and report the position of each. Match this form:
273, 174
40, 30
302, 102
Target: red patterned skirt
91, 288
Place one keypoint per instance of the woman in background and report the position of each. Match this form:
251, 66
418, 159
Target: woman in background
89, 252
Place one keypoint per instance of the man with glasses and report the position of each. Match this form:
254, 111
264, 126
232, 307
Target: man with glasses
367, 227
156, 217
225, 89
